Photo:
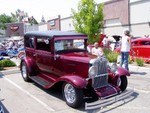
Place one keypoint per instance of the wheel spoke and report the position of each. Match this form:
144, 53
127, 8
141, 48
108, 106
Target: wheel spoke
69, 93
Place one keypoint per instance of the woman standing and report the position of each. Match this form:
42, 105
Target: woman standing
125, 49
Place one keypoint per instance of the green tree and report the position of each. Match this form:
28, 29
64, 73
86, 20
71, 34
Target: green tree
32, 20
5, 19
89, 19
19, 15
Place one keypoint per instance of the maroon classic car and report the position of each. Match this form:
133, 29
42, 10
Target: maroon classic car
52, 57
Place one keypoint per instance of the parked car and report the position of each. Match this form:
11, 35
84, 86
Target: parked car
51, 58
140, 49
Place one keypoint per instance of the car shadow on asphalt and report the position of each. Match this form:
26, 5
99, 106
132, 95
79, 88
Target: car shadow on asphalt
57, 92
138, 73
3, 109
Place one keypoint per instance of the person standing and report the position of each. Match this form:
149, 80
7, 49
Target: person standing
125, 49
105, 42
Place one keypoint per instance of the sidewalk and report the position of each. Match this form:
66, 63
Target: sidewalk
17, 61
137, 69
13, 70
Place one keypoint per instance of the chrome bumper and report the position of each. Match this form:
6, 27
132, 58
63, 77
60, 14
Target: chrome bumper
105, 102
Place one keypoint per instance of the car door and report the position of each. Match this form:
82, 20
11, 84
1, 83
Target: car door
30, 47
43, 55
144, 47
134, 52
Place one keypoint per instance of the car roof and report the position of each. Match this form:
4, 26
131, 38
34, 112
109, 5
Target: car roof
141, 39
51, 33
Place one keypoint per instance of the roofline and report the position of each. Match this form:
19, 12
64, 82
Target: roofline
52, 34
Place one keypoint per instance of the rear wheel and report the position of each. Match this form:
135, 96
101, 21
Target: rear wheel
72, 95
24, 72
122, 82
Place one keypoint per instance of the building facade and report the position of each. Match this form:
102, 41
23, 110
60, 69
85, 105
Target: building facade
15, 29
120, 15
140, 17
54, 23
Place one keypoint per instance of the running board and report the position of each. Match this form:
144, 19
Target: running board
44, 83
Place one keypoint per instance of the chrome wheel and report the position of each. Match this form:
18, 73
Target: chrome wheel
119, 82
24, 71
69, 93
72, 95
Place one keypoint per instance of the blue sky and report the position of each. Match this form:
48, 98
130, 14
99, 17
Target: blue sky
37, 8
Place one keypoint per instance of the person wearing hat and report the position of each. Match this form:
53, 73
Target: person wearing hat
125, 49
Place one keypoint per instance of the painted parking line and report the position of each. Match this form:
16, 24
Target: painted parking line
33, 97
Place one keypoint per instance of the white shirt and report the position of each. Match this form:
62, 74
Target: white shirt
125, 45
105, 41
10, 44
97, 51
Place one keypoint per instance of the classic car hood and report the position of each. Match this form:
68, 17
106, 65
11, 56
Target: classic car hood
78, 56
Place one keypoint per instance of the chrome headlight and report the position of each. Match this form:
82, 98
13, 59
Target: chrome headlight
113, 67
92, 72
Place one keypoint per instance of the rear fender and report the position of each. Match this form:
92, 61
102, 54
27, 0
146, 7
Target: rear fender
122, 72
75, 80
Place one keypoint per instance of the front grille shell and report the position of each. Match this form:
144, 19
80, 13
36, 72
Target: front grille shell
101, 79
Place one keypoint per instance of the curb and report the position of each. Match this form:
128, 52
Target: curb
139, 67
11, 71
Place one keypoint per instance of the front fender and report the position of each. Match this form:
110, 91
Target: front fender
75, 80
31, 67
121, 71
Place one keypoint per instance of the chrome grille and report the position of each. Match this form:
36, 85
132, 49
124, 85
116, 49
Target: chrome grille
101, 79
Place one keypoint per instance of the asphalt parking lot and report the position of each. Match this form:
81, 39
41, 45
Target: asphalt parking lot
18, 96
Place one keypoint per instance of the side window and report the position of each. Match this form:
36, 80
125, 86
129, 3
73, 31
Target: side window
29, 42
134, 43
43, 44
145, 42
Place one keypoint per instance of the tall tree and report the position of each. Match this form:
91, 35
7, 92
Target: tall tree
19, 15
5, 19
89, 19
32, 20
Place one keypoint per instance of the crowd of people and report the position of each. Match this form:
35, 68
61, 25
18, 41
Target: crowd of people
11, 48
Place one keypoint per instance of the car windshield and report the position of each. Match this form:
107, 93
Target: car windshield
69, 45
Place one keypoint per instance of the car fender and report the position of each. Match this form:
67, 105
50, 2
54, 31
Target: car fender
30, 65
75, 80
122, 72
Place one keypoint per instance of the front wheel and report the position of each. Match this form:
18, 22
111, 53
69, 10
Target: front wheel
24, 72
122, 82
72, 95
